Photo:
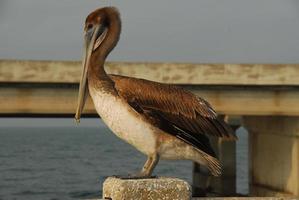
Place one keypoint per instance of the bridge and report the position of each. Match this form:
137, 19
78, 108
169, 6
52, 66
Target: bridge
264, 98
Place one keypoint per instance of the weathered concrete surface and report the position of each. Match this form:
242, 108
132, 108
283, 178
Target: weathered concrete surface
62, 99
239, 198
274, 155
142, 189
177, 73
246, 198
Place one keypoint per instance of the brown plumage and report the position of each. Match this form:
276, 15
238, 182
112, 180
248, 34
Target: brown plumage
175, 110
160, 120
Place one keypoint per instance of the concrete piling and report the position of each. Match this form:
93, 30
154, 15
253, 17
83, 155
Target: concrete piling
162, 188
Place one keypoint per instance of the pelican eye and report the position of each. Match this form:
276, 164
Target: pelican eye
89, 26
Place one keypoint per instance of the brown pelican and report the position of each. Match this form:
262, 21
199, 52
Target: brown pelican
161, 120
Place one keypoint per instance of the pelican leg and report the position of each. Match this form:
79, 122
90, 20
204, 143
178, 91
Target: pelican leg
147, 169
149, 165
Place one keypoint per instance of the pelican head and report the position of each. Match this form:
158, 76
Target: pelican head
97, 45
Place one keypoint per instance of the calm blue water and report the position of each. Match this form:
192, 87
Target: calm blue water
38, 161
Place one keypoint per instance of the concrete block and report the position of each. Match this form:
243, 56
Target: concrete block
161, 188
247, 198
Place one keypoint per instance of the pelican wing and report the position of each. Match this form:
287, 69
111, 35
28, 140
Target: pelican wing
174, 109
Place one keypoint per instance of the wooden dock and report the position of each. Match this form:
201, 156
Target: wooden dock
263, 97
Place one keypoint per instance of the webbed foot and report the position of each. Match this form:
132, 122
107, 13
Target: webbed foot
133, 176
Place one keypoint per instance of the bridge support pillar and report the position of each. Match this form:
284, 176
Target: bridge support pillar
274, 155
225, 185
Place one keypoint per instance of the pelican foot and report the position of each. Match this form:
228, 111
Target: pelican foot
133, 176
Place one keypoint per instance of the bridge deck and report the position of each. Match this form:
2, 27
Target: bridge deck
47, 87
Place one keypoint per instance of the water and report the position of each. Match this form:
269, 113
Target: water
70, 162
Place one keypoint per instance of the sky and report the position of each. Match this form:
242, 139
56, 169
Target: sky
200, 31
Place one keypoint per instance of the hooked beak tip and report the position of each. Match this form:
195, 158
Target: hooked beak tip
77, 120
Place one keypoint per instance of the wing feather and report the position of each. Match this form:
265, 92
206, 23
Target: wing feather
190, 116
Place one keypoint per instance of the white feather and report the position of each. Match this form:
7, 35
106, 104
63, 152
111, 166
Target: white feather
125, 122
